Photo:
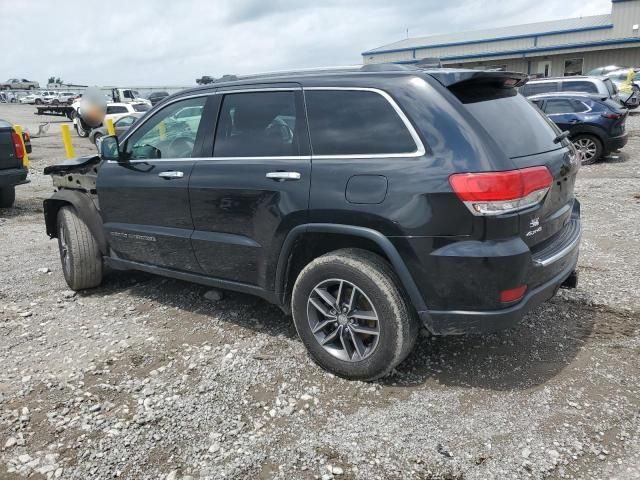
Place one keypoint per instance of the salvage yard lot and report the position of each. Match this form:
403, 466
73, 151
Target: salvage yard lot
145, 378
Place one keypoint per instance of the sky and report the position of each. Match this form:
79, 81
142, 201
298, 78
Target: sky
173, 42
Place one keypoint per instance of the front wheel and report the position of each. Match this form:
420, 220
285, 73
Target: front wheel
590, 148
38, 101
7, 196
349, 311
79, 252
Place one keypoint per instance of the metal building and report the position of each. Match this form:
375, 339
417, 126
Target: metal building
564, 47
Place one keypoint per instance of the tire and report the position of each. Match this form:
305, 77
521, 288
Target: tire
32, 87
7, 196
590, 146
79, 253
81, 131
38, 101
96, 138
376, 287
56, 102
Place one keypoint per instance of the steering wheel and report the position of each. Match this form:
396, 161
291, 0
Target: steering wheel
181, 147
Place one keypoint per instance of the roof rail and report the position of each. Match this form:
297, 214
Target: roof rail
373, 67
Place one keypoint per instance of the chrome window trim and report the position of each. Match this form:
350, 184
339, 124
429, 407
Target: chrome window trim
420, 150
201, 159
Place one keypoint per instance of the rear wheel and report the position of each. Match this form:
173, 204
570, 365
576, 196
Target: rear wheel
590, 148
350, 313
38, 101
79, 252
7, 196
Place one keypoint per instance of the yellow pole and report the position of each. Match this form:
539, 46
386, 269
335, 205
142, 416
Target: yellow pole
66, 139
25, 159
110, 128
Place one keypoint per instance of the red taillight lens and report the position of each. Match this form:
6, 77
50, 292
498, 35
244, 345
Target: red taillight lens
513, 294
26, 136
612, 116
493, 193
17, 145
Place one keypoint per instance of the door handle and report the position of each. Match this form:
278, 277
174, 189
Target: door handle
171, 174
283, 176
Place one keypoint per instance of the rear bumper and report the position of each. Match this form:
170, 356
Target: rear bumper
543, 271
460, 322
13, 176
616, 143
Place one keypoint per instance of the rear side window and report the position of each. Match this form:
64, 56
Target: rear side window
116, 109
258, 124
588, 87
531, 89
558, 105
355, 122
141, 107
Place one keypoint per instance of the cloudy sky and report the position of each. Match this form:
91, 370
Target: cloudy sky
169, 42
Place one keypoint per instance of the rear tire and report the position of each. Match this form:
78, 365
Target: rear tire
589, 146
7, 196
348, 350
79, 252
82, 133
38, 101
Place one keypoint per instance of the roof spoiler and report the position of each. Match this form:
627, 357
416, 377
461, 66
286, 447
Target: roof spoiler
502, 79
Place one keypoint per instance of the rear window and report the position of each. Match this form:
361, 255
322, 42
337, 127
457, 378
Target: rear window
513, 122
355, 122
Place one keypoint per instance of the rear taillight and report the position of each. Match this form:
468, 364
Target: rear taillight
495, 193
612, 115
17, 145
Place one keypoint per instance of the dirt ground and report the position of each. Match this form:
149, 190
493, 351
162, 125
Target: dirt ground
145, 378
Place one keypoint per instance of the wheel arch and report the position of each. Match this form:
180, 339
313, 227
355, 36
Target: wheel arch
295, 254
86, 210
592, 130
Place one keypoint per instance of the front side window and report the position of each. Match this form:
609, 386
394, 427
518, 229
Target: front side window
352, 122
258, 124
166, 136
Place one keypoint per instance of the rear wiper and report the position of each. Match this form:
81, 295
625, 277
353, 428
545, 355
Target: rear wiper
561, 137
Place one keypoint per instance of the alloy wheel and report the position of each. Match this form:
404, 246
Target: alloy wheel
587, 148
343, 320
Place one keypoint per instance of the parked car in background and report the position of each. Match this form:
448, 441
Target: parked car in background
114, 111
596, 124
600, 71
38, 98
156, 97
61, 98
337, 197
19, 84
121, 126
602, 86
12, 169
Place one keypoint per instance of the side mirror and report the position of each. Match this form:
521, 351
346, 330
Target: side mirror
109, 148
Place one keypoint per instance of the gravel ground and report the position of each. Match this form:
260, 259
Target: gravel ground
144, 377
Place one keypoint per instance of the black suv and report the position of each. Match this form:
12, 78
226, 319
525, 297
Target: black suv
365, 201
